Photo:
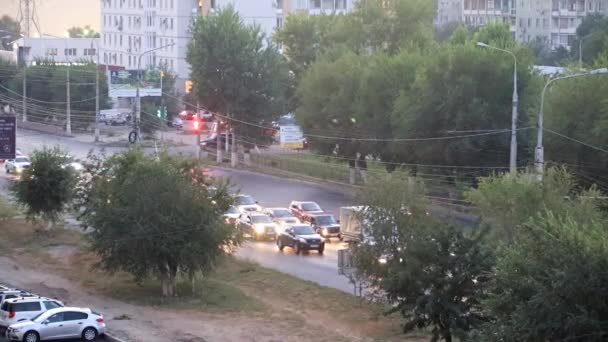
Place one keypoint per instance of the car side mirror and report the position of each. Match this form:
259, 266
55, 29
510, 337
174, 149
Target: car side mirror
46, 322
289, 231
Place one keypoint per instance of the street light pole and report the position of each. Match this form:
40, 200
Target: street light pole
513, 154
539, 152
137, 96
96, 92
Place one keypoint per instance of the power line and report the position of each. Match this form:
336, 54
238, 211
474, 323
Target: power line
575, 140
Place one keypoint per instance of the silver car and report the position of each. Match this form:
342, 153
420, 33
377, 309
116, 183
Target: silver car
59, 323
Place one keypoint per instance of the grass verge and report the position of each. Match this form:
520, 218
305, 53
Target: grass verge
235, 287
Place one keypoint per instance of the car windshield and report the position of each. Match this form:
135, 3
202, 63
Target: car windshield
325, 220
232, 210
33, 319
281, 213
21, 160
260, 219
310, 206
245, 200
303, 230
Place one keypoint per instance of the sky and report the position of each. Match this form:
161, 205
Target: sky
56, 16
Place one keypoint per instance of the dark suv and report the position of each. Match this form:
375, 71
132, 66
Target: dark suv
302, 238
325, 225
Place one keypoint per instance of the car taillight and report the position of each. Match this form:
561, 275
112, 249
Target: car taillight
11, 314
99, 320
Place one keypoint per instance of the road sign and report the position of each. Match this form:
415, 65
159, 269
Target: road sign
291, 136
123, 83
8, 131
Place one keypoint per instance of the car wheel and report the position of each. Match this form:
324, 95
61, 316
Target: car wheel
321, 248
31, 336
297, 248
89, 334
280, 244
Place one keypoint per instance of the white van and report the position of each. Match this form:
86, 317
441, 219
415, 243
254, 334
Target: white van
114, 116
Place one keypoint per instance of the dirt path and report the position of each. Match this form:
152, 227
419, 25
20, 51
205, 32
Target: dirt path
151, 324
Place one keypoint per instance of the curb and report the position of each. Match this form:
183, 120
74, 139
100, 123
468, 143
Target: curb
111, 338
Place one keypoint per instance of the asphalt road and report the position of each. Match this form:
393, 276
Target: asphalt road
270, 191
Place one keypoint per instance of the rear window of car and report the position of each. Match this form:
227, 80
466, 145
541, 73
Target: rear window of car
51, 305
23, 307
310, 207
74, 316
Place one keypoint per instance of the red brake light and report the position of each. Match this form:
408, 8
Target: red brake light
99, 320
11, 314
196, 125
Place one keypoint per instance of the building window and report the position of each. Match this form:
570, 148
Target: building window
69, 52
315, 4
90, 52
537, 22
279, 22
172, 23
529, 22
51, 51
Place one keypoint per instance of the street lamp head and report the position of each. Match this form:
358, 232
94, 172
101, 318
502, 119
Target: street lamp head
599, 71
482, 44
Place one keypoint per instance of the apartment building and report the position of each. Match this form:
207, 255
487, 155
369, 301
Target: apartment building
60, 50
131, 27
554, 21
449, 11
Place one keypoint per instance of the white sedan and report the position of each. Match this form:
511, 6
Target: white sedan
17, 165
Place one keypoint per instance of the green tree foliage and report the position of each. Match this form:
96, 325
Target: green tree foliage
45, 189
9, 32
593, 31
577, 108
150, 217
433, 275
237, 73
83, 32
553, 262
47, 96
507, 202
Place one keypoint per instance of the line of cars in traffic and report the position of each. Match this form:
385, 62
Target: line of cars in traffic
27, 317
303, 225
21, 162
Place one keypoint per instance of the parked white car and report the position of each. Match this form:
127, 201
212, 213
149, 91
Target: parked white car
17, 165
19, 309
60, 323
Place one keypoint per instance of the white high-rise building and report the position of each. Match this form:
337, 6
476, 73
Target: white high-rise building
131, 27
552, 21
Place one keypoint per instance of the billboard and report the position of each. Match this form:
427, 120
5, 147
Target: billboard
123, 83
291, 136
8, 130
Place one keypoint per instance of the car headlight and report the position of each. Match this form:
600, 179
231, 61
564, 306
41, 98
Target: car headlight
15, 329
259, 228
325, 232
382, 260
302, 240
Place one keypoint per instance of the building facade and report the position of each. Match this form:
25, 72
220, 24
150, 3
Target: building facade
552, 21
129, 28
59, 50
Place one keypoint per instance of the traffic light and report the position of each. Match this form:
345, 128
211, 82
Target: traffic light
161, 112
189, 85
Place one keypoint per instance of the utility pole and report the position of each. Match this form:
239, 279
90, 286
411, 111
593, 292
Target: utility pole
198, 131
24, 117
97, 96
68, 125
27, 18
218, 139
513, 154
234, 156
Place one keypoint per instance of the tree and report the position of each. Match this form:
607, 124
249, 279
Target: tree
236, 73
82, 32
47, 92
593, 31
9, 32
432, 273
552, 265
45, 189
149, 217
